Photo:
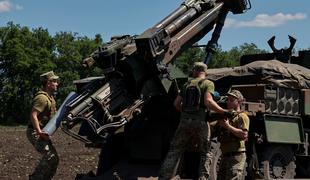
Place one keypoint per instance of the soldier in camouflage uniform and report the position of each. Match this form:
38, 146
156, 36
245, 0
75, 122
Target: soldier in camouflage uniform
233, 139
43, 108
193, 125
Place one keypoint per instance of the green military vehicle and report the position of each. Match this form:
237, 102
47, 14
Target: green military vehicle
276, 90
128, 112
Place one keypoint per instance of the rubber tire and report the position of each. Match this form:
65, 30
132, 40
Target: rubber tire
284, 155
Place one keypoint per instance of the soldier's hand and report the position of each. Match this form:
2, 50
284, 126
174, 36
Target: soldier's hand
223, 123
43, 135
242, 135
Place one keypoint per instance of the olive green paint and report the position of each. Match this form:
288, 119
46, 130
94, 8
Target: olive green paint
307, 109
283, 129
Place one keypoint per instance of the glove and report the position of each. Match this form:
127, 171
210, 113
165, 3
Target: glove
230, 113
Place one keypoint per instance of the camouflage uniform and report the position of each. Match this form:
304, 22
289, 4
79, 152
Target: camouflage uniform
47, 166
233, 151
193, 129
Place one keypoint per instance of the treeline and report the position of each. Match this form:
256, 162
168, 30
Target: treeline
25, 54
222, 58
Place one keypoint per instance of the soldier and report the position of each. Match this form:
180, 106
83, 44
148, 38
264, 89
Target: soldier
43, 108
195, 98
233, 140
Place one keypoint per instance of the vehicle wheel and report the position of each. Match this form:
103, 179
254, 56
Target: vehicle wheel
278, 162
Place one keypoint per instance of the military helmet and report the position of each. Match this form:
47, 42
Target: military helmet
48, 76
200, 66
236, 94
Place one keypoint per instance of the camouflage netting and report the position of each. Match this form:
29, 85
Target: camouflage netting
263, 72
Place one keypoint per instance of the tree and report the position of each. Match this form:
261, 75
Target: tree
186, 60
220, 59
231, 58
23, 55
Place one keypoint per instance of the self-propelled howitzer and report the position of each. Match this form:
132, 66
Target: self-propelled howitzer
128, 112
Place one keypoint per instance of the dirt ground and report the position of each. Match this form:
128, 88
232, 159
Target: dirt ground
18, 158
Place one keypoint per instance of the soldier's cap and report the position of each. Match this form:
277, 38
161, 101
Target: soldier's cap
48, 76
200, 66
236, 94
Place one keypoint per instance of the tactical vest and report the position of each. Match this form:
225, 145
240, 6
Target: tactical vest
193, 97
49, 110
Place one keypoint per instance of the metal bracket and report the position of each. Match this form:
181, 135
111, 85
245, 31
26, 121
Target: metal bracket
282, 54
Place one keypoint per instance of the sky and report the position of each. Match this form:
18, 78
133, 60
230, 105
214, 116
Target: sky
265, 19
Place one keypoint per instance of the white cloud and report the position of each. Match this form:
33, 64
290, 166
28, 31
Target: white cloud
265, 20
7, 6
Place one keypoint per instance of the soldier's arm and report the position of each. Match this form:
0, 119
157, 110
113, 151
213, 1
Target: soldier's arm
36, 125
178, 103
35, 120
238, 132
211, 104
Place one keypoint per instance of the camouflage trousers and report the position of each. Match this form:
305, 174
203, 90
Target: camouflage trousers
232, 167
189, 132
47, 166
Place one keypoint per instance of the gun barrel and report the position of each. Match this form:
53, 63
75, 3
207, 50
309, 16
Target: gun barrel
175, 14
181, 21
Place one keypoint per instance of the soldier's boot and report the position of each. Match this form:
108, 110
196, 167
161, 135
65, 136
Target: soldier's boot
36, 177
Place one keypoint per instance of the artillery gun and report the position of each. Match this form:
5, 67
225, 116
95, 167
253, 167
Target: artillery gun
276, 91
128, 112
